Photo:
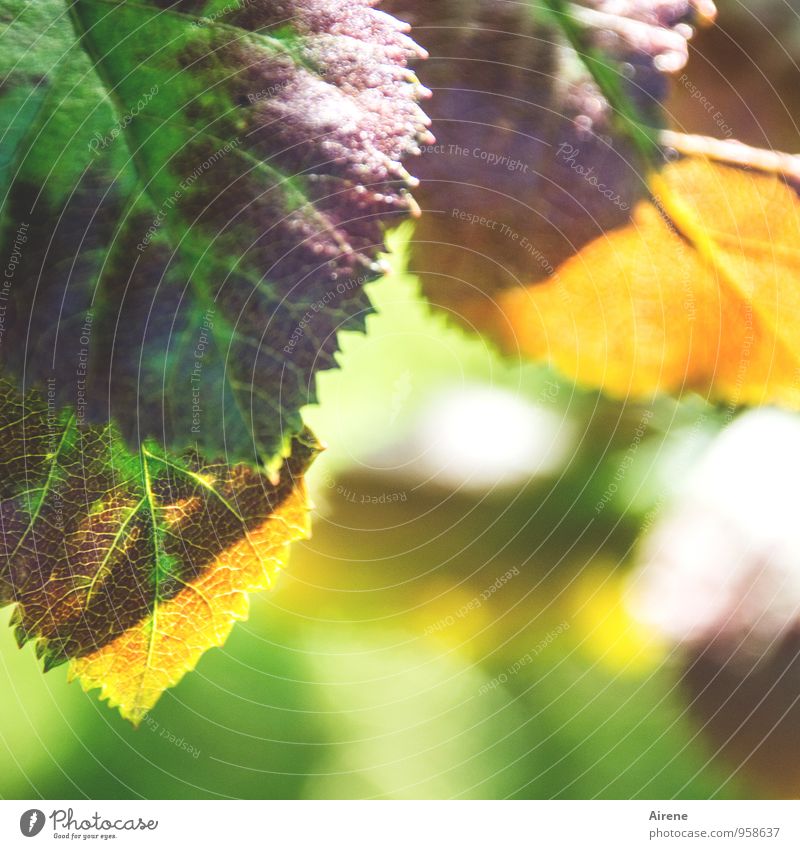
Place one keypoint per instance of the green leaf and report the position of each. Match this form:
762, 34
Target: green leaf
132, 565
194, 194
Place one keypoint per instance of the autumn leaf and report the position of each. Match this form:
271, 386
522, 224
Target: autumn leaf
194, 195
700, 291
531, 160
130, 566
567, 222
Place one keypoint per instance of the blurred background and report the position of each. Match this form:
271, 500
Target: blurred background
515, 589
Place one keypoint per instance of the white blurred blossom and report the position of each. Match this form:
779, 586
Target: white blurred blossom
721, 568
481, 436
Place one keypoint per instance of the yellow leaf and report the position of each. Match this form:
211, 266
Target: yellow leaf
134, 669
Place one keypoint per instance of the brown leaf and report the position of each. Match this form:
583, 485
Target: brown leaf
131, 565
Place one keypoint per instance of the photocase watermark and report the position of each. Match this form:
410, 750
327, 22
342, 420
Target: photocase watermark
55, 435
195, 379
32, 822
697, 95
473, 604
341, 288
745, 357
508, 232
20, 237
169, 204
98, 142
352, 496
270, 91
205, 20
67, 825
495, 160
523, 661
627, 461
170, 737
570, 155
82, 368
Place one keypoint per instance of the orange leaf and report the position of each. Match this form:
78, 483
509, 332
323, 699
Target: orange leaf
699, 291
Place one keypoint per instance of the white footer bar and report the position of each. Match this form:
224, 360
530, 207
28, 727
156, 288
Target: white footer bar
401, 825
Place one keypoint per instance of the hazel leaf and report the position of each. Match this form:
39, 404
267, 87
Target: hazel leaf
565, 220
129, 566
202, 192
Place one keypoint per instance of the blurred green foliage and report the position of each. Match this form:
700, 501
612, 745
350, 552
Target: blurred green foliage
460, 643
382, 666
